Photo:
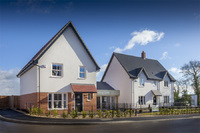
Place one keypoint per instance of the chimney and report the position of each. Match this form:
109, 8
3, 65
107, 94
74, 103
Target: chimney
143, 55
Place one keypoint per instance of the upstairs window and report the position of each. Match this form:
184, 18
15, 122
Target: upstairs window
166, 83
141, 82
57, 70
82, 72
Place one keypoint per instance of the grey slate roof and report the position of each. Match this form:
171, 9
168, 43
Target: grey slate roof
104, 86
135, 65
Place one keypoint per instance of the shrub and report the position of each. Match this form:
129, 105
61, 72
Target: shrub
48, 114
84, 114
99, 113
130, 112
64, 115
125, 113
112, 113
106, 113
55, 113
73, 114
91, 114
30, 110
40, 111
35, 111
161, 111
118, 113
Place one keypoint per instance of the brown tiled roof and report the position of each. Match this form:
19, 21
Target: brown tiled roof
37, 56
84, 88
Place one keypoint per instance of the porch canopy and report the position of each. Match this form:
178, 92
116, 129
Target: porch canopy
105, 89
84, 88
156, 92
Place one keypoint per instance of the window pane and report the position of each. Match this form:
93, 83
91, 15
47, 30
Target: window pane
89, 96
64, 104
59, 96
50, 97
55, 97
54, 66
55, 104
50, 105
58, 73
82, 69
59, 104
64, 96
82, 75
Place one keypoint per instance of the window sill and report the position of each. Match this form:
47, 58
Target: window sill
141, 86
81, 78
56, 76
88, 100
58, 108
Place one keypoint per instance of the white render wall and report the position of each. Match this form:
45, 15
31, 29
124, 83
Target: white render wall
68, 51
144, 90
28, 82
166, 91
117, 77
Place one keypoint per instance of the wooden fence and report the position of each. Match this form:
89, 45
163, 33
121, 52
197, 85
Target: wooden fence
9, 102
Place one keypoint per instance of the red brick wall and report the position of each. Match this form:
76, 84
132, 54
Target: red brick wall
29, 100
89, 105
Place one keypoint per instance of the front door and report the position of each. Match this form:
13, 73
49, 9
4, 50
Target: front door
154, 100
78, 101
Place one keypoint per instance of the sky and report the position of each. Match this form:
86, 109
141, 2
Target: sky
167, 30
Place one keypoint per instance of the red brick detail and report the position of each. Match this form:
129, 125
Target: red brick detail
71, 101
90, 105
83, 88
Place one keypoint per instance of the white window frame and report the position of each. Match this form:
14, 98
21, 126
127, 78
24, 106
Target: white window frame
166, 99
167, 84
62, 101
56, 70
82, 72
141, 100
141, 84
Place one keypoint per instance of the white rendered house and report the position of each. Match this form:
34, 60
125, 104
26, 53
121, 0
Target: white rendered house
142, 82
61, 75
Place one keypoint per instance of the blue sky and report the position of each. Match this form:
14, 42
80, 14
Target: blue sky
167, 30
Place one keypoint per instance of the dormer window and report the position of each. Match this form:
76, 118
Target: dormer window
56, 70
141, 82
166, 83
82, 72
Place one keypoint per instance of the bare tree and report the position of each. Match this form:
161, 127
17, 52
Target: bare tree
192, 73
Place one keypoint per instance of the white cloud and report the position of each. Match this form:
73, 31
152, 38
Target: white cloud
175, 72
177, 45
142, 38
165, 56
102, 70
9, 83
